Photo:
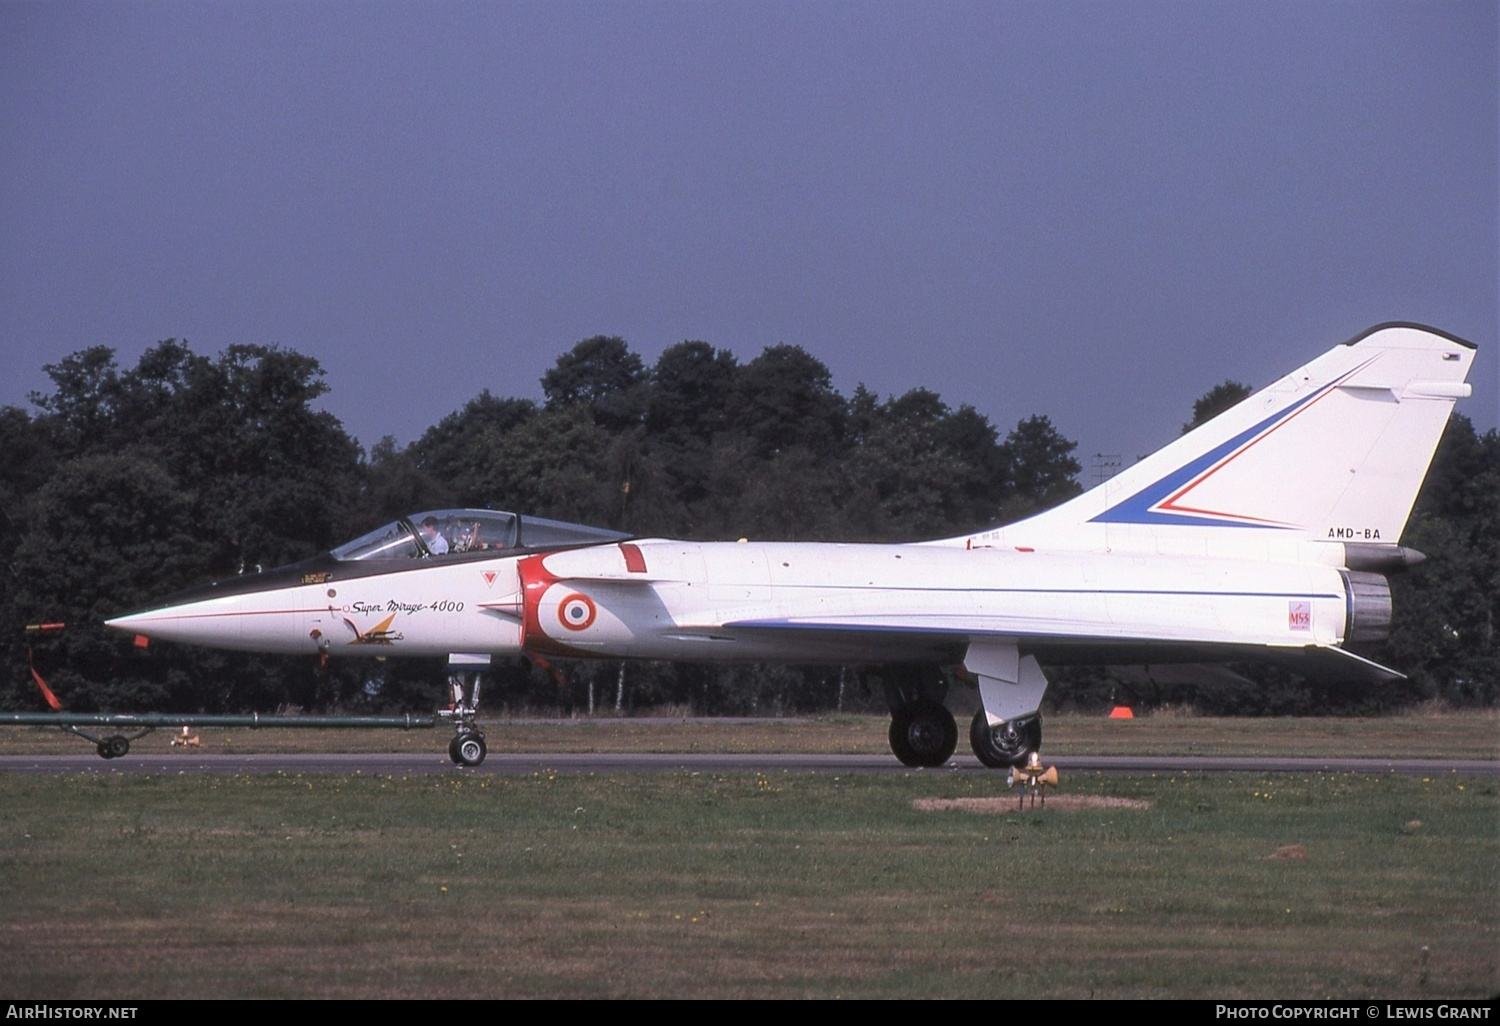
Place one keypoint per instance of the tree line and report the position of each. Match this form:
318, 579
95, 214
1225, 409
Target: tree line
126, 484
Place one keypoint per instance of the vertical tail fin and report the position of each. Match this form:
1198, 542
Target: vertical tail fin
1336, 450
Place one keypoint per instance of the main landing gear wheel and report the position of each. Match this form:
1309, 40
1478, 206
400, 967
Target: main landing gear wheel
923, 734
467, 749
1005, 745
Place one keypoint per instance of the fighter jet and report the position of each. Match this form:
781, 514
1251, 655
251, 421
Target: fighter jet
1265, 534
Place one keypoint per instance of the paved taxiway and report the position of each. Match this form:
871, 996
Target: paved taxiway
502, 763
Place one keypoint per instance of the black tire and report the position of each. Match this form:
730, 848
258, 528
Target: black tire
1007, 744
923, 734
453, 750
471, 749
119, 747
103, 749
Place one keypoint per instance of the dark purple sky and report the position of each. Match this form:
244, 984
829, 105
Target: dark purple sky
1095, 211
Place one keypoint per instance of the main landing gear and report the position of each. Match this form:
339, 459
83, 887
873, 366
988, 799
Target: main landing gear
1006, 744
1006, 730
467, 747
923, 732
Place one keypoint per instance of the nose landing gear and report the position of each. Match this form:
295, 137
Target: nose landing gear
467, 747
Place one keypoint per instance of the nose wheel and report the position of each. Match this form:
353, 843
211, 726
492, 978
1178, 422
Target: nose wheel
467, 749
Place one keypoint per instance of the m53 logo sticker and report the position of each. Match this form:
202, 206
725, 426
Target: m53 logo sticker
1299, 616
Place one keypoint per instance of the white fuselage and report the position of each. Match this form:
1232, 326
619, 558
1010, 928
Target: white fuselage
657, 599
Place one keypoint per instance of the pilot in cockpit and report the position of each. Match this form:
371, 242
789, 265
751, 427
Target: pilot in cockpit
433, 538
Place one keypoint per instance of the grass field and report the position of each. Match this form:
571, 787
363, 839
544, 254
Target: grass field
780, 885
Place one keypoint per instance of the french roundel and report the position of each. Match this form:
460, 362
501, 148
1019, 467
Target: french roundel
576, 612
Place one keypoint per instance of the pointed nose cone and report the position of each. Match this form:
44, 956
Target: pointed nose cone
259, 612
215, 622
133, 623
154, 624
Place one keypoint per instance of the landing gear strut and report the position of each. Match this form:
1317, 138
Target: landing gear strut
467, 747
1007, 727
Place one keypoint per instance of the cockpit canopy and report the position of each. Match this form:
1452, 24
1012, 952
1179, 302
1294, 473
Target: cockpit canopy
441, 533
